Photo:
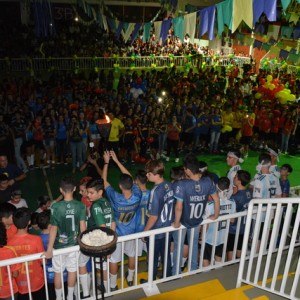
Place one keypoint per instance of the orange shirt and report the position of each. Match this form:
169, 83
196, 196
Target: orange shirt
11, 231
7, 253
26, 244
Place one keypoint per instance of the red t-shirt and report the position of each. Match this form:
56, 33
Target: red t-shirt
247, 129
7, 253
173, 132
26, 244
11, 231
265, 125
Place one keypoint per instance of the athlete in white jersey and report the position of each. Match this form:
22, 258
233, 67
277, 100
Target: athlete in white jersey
233, 159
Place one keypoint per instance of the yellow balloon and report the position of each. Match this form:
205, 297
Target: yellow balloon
258, 95
291, 98
269, 78
283, 101
272, 86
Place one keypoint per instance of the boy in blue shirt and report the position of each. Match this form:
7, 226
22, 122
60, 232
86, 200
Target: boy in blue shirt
125, 206
141, 214
241, 198
159, 212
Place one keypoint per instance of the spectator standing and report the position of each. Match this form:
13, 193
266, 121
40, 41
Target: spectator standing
6, 217
76, 143
215, 130
61, 140
19, 126
116, 132
173, 138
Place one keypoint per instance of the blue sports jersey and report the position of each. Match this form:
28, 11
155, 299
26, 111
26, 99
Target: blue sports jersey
142, 211
226, 207
161, 204
285, 187
125, 209
241, 199
194, 195
266, 186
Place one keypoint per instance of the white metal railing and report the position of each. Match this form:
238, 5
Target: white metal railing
276, 270
151, 284
90, 63
289, 69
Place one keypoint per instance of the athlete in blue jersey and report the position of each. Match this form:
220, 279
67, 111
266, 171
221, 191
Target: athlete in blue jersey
216, 232
125, 206
265, 186
241, 198
141, 214
191, 198
159, 211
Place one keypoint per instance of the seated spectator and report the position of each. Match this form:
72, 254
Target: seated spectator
44, 203
5, 189
16, 199
14, 173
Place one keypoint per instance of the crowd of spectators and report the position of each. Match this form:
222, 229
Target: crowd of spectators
41, 121
76, 39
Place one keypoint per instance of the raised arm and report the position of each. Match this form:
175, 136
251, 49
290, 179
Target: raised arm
106, 157
116, 160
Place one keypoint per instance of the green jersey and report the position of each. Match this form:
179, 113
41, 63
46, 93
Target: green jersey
101, 213
66, 215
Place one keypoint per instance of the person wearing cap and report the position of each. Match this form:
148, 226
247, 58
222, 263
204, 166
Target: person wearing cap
17, 200
233, 159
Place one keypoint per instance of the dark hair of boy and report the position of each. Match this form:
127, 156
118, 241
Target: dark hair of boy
33, 219
3, 177
141, 176
6, 210
67, 184
42, 200
243, 176
177, 173
97, 184
223, 183
3, 236
43, 219
126, 181
288, 167
264, 158
191, 162
156, 167
22, 217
